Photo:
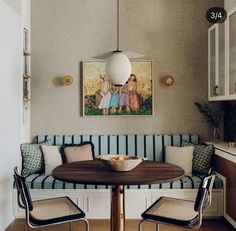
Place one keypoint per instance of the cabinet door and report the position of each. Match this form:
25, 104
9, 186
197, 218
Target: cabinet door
232, 53
221, 59
212, 61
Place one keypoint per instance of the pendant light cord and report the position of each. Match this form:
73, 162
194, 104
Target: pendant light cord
118, 24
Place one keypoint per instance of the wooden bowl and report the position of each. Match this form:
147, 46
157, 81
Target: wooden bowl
120, 163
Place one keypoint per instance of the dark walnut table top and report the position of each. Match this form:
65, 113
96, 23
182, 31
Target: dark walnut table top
94, 172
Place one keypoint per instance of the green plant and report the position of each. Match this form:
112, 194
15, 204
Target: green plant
213, 116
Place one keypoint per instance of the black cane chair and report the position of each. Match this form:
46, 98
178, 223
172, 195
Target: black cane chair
46, 212
180, 212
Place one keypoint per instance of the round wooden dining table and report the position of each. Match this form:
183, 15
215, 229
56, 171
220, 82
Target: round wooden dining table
94, 172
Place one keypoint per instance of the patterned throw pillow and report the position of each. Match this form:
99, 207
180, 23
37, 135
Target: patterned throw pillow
32, 158
77, 152
202, 156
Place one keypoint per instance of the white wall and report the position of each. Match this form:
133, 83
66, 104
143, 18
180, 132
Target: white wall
10, 104
171, 32
229, 4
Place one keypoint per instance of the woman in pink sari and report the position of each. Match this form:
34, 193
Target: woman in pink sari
132, 93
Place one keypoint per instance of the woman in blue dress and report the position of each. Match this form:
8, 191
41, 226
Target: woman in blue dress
115, 98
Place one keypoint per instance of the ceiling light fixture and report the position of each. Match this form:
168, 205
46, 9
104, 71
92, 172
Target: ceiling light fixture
118, 66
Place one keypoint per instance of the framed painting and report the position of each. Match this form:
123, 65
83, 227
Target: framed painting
101, 97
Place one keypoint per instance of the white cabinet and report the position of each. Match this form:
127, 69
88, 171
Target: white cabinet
232, 53
222, 59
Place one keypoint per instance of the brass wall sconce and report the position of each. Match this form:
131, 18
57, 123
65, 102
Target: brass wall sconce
67, 80
167, 80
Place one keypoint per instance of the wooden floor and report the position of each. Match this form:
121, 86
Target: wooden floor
131, 225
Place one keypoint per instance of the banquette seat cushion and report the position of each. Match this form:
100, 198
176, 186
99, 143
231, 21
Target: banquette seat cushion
150, 146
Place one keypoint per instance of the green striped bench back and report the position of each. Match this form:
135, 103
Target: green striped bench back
151, 146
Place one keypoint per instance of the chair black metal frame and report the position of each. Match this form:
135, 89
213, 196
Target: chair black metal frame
203, 200
25, 202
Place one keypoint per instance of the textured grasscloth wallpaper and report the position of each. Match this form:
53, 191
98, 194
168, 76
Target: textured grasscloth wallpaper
173, 33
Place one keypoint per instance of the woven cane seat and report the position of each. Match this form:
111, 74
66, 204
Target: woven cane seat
54, 210
170, 210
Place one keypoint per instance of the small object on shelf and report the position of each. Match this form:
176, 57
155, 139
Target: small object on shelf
26, 100
26, 53
25, 76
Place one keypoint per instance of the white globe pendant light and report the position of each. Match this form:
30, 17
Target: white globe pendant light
118, 66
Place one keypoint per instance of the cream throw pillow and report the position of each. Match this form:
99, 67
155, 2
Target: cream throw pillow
52, 158
181, 156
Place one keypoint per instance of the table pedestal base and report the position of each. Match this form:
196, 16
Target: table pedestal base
117, 208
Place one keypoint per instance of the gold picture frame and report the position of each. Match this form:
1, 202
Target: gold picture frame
102, 98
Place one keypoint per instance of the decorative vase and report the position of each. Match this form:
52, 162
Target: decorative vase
216, 135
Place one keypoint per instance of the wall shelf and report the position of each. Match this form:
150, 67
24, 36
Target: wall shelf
26, 67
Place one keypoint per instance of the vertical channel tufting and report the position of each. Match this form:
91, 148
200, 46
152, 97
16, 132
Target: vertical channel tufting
77, 139
108, 144
140, 145
172, 140
150, 148
135, 145
32, 181
131, 145
112, 144
195, 139
167, 140
43, 181
154, 147
86, 138
190, 138
99, 145
104, 144
144, 146
36, 139
158, 148
126, 144
181, 138
40, 139
95, 141
185, 137
199, 141
176, 140
90, 138
121, 144
68, 139
191, 180
117, 144
48, 138
59, 140
163, 147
